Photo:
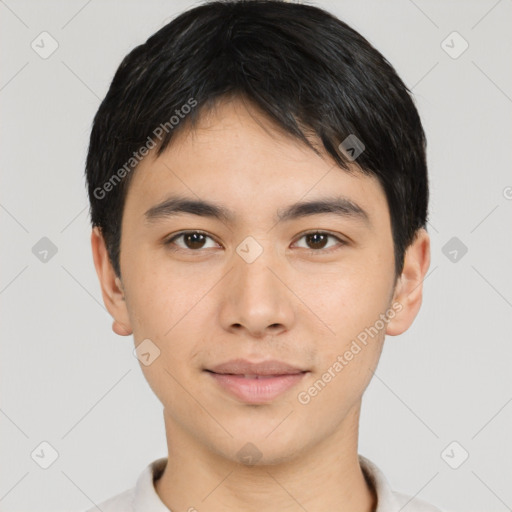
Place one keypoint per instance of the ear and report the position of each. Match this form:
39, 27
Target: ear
409, 288
111, 285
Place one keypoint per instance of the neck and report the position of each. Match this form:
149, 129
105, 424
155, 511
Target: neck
326, 476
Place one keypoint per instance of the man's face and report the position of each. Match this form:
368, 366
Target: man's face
255, 287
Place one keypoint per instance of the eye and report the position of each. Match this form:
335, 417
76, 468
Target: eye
315, 241
191, 240
318, 240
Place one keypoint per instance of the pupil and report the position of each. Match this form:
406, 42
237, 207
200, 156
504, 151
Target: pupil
317, 240
194, 240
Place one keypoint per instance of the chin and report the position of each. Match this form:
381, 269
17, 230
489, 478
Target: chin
265, 456
254, 446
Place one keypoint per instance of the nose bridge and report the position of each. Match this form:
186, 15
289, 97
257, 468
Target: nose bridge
256, 298
255, 282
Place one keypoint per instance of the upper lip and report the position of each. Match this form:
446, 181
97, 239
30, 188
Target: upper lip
244, 367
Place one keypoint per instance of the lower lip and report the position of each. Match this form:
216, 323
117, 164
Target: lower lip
254, 391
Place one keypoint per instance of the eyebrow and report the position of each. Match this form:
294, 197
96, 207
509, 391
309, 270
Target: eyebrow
339, 205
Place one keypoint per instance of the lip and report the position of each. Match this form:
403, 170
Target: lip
263, 368
256, 383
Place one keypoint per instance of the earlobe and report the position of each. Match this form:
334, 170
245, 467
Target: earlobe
120, 329
409, 288
111, 285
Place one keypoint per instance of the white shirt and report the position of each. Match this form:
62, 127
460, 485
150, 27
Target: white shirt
143, 497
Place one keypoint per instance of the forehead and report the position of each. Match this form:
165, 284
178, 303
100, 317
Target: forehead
236, 155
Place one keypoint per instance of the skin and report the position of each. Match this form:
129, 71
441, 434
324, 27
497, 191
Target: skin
296, 302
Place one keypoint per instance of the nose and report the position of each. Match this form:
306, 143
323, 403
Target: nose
256, 298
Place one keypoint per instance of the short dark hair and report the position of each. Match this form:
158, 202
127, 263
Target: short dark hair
303, 67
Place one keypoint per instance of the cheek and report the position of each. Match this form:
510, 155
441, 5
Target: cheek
351, 304
338, 388
158, 299
347, 356
170, 313
348, 301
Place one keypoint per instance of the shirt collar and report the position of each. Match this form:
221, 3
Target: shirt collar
145, 496
386, 499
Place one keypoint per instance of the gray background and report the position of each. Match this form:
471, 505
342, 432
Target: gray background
67, 379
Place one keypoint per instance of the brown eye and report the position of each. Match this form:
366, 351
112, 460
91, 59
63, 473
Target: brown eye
316, 240
319, 240
192, 240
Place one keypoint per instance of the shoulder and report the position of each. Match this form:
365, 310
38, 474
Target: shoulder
389, 500
121, 502
142, 496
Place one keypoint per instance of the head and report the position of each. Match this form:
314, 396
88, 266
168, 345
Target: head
221, 126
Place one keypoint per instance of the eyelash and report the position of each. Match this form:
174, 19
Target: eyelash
341, 242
